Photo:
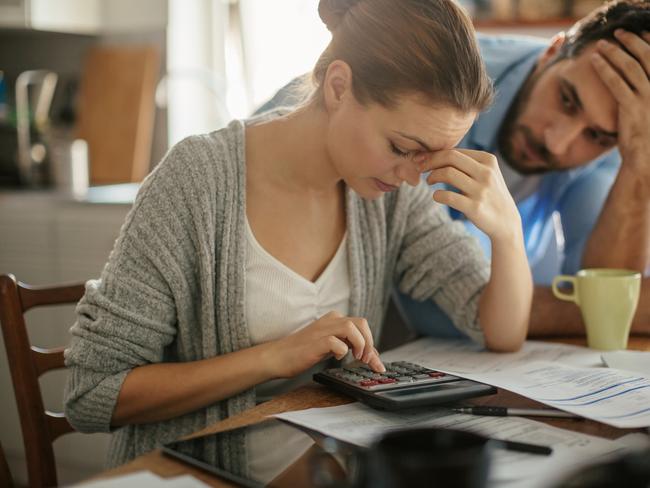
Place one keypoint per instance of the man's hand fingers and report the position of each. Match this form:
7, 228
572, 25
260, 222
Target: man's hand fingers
638, 46
618, 87
628, 68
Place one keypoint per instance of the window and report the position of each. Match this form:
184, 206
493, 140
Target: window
281, 39
225, 58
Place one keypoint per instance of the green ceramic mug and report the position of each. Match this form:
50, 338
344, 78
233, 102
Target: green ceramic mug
607, 299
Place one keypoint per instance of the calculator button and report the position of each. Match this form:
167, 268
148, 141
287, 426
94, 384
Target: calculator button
421, 376
404, 379
437, 374
385, 381
390, 374
355, 370
368, 382
352, 377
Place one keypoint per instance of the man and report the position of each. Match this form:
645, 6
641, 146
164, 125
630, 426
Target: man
571, 128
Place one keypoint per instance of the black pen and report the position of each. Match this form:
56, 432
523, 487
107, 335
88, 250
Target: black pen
524, 412
525, 447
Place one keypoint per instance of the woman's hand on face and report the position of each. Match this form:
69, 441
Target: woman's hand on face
484, 197
331, 335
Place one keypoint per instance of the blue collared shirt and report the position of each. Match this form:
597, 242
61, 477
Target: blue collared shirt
576, 196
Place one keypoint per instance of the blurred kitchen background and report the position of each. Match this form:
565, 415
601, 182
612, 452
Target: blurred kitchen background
94, 92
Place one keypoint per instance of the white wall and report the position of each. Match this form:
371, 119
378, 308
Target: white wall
134, 16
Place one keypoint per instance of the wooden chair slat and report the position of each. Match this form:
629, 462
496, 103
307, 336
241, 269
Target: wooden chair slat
34, 296
57, 425
5, 474
47, 359
26, 364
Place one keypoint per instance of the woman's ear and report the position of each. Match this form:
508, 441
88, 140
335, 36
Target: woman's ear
337, 85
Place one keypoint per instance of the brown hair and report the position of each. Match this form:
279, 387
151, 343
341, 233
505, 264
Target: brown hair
422, 47
630, 15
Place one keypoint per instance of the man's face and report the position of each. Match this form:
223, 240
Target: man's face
563, 117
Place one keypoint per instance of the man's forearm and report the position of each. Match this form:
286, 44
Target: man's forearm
553, 317
621, 237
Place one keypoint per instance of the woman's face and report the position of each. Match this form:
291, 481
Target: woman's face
372, 147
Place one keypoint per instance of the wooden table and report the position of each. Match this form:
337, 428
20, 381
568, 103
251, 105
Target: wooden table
318, 396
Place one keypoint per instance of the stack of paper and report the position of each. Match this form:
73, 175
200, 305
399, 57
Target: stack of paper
566, 377
361, 425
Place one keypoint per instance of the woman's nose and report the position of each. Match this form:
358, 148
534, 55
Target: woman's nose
408, 172
560, 134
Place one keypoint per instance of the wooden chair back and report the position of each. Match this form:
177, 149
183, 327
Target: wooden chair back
27, 363
5, 474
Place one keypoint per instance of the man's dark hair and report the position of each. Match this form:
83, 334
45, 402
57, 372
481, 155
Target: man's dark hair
630, 15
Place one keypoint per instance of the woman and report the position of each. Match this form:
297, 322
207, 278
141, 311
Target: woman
258, 251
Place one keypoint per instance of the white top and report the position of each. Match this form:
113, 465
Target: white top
279, 302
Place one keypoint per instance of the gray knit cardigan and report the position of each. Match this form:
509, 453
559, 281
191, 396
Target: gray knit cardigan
173, 288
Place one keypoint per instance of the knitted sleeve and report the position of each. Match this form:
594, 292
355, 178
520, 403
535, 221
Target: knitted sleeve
128, 316
439, 260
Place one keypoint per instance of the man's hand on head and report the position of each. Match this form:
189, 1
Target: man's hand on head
626, 72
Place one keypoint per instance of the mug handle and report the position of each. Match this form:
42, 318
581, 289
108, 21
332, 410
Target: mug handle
569, 297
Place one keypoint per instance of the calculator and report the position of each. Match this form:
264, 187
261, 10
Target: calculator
403, 385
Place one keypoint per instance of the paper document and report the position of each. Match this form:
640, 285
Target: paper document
567, 377
638, 361
360, 425
467, 357
146, 479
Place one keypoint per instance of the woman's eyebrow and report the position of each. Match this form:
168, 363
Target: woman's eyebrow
416, 139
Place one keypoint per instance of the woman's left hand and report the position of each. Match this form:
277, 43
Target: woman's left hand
484, 197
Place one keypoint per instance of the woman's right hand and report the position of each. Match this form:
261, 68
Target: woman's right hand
331, 335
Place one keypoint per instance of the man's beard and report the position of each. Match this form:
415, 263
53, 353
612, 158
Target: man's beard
510, 128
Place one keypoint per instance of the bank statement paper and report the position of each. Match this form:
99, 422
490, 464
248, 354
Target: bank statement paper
566, 377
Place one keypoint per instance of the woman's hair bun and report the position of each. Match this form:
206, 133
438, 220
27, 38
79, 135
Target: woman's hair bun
332, 12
